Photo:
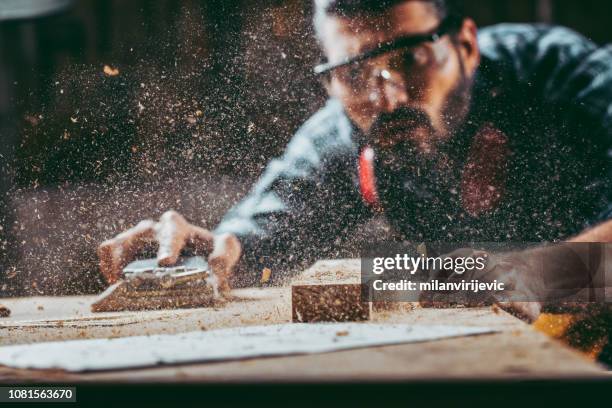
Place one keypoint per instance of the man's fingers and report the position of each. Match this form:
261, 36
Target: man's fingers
171, 233
201, 240
110, 258
224, 257
115, 253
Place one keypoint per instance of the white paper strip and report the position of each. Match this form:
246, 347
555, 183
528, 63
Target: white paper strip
216, 345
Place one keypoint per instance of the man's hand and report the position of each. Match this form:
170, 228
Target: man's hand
514, 270
551, 273
172, 233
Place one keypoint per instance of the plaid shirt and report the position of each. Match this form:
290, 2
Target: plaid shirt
548, 89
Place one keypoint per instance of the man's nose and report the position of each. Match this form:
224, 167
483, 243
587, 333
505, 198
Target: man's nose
392, 91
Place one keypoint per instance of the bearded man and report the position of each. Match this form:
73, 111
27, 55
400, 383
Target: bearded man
451, 133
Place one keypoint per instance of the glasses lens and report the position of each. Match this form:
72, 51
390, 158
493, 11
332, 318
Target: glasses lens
412, 61
355, 75
360, 76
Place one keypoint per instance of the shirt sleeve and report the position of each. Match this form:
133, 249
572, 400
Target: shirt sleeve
302, 203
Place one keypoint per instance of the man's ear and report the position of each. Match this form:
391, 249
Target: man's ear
467, 43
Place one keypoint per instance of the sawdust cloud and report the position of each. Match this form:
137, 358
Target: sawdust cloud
172, 123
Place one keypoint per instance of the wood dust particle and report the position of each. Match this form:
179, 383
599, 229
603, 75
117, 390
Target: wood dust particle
265, 275
110, 71
4, 311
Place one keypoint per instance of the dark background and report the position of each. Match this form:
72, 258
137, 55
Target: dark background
207, 93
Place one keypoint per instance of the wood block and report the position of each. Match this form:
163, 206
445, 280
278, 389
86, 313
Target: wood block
326, 293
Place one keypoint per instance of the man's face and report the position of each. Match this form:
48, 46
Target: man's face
414, 98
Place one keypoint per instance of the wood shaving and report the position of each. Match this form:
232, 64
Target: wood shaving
266, 273
4, 311
110, 71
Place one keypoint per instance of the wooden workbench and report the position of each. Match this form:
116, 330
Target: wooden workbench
517, 351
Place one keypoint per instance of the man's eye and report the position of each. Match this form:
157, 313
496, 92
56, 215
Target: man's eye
415, 58
408, 59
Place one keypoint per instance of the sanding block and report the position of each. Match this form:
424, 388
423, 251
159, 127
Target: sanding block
146, 286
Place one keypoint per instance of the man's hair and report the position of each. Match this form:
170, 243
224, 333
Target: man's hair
452, 9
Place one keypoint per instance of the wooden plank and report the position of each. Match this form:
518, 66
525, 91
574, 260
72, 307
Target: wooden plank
40, 319
517, 351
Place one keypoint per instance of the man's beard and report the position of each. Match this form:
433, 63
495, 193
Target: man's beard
417, 185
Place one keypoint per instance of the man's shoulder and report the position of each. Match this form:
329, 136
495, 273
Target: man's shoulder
329, 125
526, 44
327, 131
517, 34
553, 61
327, 136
